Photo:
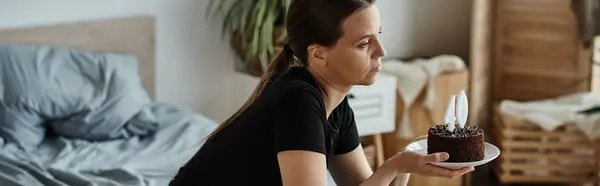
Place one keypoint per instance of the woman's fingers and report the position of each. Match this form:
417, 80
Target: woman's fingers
464, 170
443, 172
436, 171
460, 172
435, 157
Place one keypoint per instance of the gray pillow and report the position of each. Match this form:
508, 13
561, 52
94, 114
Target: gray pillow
80, 94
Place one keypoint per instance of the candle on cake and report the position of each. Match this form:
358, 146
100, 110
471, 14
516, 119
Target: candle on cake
449, 116
462, 143
462, 109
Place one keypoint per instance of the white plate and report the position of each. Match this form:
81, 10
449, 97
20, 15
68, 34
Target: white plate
491, 153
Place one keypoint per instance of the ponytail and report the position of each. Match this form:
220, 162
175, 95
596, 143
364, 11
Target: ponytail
280, 64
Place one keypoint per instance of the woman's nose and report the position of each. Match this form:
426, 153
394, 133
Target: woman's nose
380, 51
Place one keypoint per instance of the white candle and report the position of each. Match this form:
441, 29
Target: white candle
449, 115
462, 109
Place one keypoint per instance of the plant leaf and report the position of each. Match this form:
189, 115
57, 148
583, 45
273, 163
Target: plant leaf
252, 22
243, 18
266, 45
230, 18
251, 29
221, 5
267, 33
282, 10
285, 7
269, 24
236, 16
254, 47
210, 9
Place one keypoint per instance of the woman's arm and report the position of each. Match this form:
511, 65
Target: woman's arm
302, 168
402, 164
299, 138
352, 168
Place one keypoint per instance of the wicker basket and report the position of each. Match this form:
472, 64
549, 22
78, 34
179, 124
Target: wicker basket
531, 154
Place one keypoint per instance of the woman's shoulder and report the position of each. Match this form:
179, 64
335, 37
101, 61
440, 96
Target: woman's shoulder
295, 91
343, 110
298, 82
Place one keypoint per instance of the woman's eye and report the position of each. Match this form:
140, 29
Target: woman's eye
364, 45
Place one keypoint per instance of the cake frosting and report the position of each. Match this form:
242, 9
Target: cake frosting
463, 143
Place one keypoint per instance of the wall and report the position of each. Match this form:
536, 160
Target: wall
191, 52
195, 67
425, 27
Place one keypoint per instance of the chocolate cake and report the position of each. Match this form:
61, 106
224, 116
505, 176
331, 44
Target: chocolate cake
463, 145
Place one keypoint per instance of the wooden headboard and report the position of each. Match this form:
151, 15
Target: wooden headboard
132, 35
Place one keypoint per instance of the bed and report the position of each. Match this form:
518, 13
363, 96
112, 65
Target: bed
77, 108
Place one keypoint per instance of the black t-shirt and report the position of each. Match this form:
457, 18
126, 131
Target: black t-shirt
289, 115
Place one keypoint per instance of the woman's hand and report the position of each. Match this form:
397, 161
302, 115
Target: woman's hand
412, 162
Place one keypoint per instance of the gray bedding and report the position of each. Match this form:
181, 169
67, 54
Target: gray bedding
79, 118
75, 93
136, 161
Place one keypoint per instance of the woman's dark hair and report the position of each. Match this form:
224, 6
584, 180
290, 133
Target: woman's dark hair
308, 22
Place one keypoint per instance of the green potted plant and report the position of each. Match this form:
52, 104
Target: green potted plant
256, 29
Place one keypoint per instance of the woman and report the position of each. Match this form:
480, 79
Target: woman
298, 124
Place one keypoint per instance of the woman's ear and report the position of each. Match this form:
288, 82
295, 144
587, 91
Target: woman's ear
318, 55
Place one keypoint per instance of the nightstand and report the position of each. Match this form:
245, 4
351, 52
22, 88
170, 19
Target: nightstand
374, 109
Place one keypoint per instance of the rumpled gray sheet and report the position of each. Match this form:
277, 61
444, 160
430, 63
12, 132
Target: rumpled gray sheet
137, 161
78, 94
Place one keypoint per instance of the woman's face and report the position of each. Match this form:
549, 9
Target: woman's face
356, 57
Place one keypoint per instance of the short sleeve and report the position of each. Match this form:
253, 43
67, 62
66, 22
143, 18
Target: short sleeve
348, 138
298, 122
